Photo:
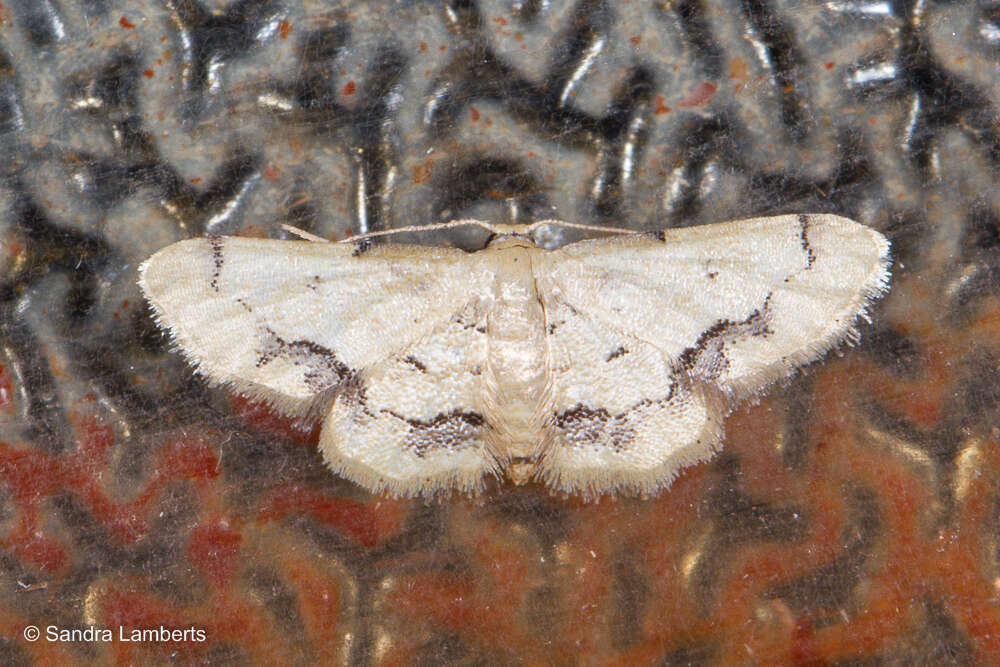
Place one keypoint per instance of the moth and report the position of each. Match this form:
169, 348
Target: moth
605, 365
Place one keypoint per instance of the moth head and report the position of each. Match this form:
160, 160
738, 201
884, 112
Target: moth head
548, 234
508, 234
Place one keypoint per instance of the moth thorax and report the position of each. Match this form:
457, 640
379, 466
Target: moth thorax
517, 373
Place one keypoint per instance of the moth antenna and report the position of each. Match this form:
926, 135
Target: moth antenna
303, 234
422, 228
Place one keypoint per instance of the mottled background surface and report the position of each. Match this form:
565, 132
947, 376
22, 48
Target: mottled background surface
854, 514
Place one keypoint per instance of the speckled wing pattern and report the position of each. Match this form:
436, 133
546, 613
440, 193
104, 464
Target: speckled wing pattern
379, 330
648, 341
415, 422
654, 338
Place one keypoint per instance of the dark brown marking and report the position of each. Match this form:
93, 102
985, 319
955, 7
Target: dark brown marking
469, 325
451, 431
245, 305
660, 236
713, 274
707, 357
217, 259
555, 325
353, 393
413, 361
361, 247
620, 351
804, 237
322, 368
583, 425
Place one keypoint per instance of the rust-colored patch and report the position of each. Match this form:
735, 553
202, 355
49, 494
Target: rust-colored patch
701, 95
661, 105
45, 553
264, 417
342, 514
6, 388
187, 458
739, 69
214, 549
125, 23
422, 172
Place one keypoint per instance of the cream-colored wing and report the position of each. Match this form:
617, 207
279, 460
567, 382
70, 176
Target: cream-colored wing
414, 423
621, 420
654, 337
285, 321
739, 304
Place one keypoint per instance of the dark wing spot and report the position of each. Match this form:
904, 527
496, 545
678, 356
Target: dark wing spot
361, 247
707, 357
217, 259
466, 325
416, 363
453, 430
804, 238
555, 325
660, 236
321, 367
620, 351
586, 426
353, 393
713, 275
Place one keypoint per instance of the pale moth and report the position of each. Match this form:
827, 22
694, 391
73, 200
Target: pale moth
605, 365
